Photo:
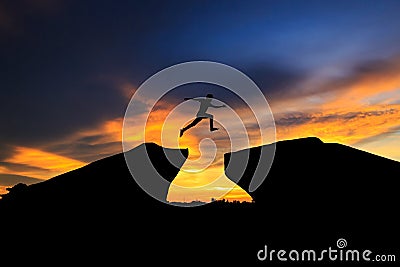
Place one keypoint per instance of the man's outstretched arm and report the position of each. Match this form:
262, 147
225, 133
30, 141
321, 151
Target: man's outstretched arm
194, 98
214, 106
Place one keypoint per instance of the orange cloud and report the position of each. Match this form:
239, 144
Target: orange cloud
362, 107
88, 145
362, 91
46, 165
345, 126
110, 131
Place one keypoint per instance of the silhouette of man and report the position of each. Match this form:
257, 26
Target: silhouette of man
205, 103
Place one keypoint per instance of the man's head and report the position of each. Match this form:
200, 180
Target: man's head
209, 96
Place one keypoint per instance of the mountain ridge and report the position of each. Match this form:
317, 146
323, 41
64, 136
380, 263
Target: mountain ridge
315, 193
107, 177
312, 160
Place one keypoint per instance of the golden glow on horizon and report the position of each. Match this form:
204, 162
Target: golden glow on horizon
388, 147
3, 189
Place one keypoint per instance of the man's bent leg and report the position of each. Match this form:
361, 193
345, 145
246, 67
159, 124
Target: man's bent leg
190, 125
212, 124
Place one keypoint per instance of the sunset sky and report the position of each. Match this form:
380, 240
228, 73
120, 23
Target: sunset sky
329, 69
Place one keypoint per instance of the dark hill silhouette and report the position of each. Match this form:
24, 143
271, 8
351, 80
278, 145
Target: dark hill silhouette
314, 194
327, 187
100, 185
307, 170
